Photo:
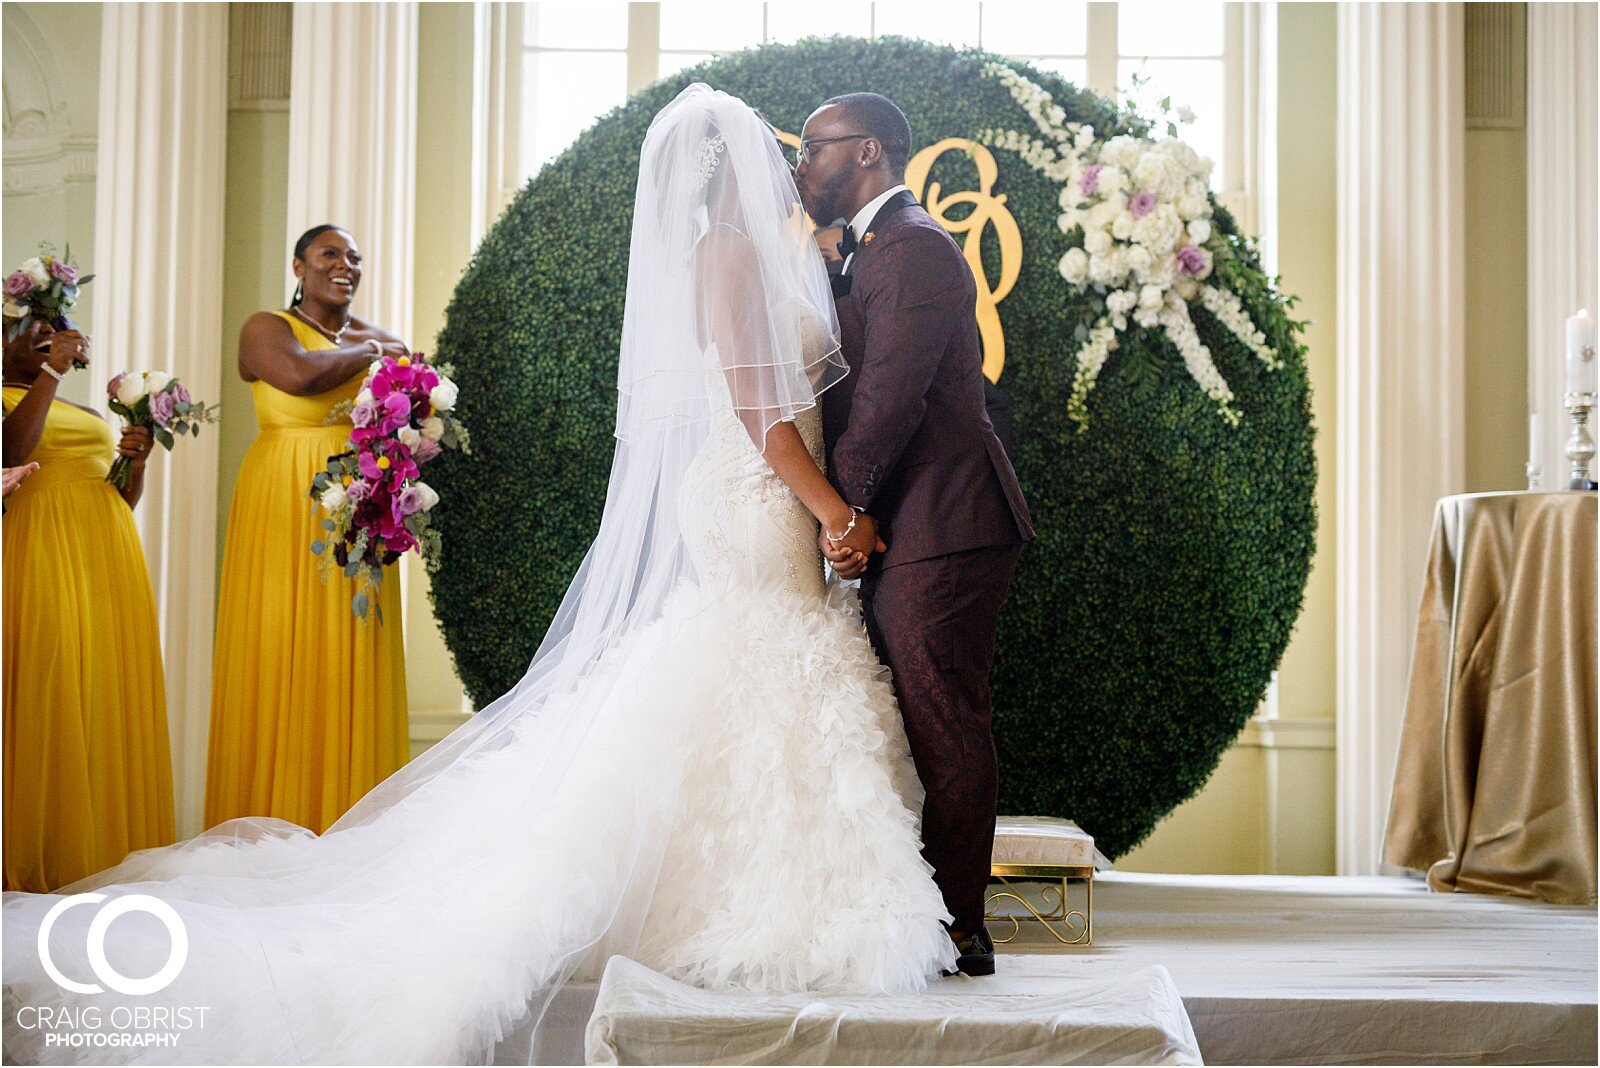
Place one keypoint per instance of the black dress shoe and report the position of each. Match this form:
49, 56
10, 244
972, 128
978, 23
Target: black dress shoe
975, 954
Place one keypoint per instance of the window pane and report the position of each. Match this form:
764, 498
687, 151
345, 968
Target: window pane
1075, 71
563, 93
602, 25
789, 22
1036, 29
1194, 83
719, 27
670, 63
1168, 29
952, 24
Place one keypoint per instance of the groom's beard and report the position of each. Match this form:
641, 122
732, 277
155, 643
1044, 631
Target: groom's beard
826, 201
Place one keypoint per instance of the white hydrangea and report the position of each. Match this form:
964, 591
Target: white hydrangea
1075, 266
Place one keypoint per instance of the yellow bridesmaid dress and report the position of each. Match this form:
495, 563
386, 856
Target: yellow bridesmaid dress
308, 703
88, 771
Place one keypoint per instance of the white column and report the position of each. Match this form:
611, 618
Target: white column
158, 305
352, 142
1562, 178
1400, 346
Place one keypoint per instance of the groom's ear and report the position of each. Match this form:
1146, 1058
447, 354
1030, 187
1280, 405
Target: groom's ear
871, 152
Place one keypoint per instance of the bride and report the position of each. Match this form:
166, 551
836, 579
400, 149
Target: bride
703, 768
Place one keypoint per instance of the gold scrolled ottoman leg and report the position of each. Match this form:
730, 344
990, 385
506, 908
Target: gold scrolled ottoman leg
1066, 925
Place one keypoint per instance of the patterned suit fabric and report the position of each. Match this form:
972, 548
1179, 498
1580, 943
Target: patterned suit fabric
910, 441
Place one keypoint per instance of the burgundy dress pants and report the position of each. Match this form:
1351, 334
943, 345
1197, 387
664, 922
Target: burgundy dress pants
933, 623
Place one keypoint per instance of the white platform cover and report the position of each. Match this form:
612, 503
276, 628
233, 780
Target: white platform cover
1331, 970
1117, 1016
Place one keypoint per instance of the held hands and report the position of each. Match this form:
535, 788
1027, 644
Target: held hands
137, 441
848, 556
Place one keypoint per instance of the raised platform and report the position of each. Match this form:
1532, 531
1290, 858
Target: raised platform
1291, 970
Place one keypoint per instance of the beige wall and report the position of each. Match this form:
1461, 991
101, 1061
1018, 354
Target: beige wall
258, 176
444, 232
1497, 311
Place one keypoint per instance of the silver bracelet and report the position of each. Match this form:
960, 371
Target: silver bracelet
377, 346
52, 372
855, 513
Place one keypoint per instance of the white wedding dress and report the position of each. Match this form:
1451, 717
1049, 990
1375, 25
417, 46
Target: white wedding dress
722, 792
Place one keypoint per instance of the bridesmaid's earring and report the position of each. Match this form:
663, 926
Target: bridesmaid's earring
299, 293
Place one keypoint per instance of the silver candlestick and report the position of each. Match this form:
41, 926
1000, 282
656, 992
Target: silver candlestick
1580, 446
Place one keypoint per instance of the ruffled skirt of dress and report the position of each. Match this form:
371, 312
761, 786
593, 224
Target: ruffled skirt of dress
739, 811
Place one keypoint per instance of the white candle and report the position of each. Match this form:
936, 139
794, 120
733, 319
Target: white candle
1580, 353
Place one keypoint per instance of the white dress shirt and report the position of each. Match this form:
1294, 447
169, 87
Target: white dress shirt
863, 219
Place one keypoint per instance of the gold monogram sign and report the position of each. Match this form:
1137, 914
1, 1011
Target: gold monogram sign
987, 209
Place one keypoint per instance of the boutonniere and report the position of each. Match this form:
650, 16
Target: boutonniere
867, 240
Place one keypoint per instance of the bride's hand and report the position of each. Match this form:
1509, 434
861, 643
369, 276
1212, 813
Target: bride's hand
847, 563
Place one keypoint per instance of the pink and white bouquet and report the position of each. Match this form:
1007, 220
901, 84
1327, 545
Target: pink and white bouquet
45, 287
157, 400
378, 506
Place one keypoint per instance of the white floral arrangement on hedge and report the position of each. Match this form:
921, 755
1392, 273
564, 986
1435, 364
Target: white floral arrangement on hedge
1138, 213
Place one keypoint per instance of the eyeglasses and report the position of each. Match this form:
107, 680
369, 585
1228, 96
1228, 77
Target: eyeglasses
807, 144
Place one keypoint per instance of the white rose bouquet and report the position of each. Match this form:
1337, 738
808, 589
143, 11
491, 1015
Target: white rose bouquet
1143, 247
157, 400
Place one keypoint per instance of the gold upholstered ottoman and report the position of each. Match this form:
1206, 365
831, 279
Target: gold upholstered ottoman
1057, 852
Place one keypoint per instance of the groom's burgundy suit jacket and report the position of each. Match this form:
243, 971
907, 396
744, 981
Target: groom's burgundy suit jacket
908, 436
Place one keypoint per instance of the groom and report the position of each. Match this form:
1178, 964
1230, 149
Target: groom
911, 449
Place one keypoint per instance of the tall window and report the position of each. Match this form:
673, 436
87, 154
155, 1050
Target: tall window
580, 61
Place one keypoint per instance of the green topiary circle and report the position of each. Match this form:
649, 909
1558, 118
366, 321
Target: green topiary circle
1173, 549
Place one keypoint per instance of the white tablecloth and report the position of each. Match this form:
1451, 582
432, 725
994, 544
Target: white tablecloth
1131, 1016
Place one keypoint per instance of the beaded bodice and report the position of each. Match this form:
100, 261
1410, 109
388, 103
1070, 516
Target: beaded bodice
741, 522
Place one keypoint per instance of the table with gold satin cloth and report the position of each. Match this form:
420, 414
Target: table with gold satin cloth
1495, 788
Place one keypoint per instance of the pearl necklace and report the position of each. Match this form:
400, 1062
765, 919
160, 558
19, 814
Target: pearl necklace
335, 336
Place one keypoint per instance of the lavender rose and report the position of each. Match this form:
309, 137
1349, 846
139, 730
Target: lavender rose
1141, 203
1195, 262
64, 273
358, 490
364, 414
163, 406
409, 501
18, 285
425, 450
1089, 181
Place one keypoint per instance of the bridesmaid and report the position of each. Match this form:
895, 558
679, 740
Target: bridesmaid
88, 772
308, 703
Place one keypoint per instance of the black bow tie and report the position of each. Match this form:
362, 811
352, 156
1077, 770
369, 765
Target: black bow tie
847, 246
